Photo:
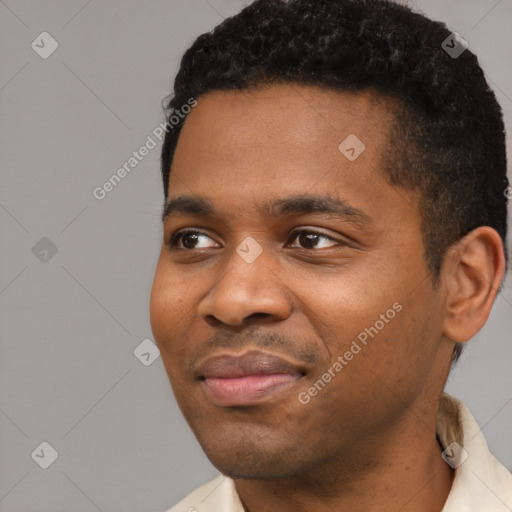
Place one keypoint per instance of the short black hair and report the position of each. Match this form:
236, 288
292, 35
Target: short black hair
448, 135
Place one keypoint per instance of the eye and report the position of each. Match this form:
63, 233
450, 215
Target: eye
309, 238
188, 238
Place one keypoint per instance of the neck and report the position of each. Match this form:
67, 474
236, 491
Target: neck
400, 469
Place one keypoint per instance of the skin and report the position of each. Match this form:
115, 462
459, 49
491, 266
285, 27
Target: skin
367, 440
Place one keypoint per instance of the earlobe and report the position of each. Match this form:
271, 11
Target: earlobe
473, 270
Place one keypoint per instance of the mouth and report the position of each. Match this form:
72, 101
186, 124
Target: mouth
249, 379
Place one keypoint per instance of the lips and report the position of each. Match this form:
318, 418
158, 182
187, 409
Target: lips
248, 379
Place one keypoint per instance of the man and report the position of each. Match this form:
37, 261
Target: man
334, 232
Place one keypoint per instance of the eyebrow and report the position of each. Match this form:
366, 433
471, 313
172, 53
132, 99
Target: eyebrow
298, 204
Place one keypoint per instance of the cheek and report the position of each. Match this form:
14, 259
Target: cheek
372, 318
169, 306
173, 316
345, 306
159, 312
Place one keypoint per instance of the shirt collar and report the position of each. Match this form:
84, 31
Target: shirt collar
481, 482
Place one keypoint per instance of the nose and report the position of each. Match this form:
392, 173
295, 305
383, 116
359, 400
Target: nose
246, 291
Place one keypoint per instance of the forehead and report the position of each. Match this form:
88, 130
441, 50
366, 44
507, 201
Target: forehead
298, 116
240, 147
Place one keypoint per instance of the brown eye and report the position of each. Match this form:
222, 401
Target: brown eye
309, 239
189, 239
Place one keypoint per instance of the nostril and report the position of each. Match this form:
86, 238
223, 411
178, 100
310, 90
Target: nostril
258, 315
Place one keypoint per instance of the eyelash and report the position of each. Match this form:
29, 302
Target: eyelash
177, 236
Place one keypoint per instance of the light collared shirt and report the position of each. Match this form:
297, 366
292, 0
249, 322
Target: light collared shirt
481, 483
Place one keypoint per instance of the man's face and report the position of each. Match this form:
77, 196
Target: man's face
252, 313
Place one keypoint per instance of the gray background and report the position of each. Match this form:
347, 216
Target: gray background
70, 324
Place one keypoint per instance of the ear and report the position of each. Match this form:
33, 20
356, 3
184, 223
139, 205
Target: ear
472, 271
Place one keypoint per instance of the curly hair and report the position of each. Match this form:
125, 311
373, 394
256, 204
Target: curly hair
448, 137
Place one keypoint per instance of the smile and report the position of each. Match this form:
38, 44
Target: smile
249, 379
246, 390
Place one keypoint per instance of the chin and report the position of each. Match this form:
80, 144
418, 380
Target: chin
261, 471
243, 458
